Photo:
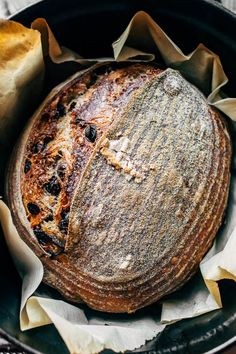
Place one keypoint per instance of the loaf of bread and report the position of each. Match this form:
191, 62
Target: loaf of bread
119, 184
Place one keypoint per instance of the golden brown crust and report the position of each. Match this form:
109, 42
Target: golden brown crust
62, 140
145, 201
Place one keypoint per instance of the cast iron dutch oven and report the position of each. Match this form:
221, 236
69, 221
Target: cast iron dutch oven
97, 24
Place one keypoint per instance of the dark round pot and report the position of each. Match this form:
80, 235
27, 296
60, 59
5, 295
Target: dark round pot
96, 24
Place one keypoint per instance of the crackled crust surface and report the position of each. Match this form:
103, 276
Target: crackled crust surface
62, 140
119, 185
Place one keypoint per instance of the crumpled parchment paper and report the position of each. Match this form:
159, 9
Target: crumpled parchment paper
21, 68
90, 335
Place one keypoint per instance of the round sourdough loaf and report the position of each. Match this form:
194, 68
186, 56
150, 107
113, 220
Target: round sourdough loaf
119, 184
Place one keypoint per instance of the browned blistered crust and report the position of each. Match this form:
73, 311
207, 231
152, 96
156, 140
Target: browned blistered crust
143, 197
62, 141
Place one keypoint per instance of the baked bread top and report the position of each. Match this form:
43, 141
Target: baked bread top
119, 184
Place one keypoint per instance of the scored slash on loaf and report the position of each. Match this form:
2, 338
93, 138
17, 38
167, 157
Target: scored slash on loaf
119, 184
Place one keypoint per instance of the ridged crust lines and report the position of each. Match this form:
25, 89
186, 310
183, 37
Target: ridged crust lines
118, 296
114, 298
